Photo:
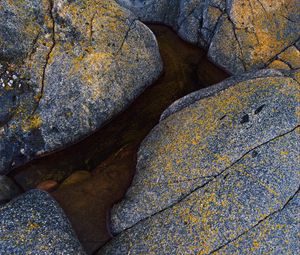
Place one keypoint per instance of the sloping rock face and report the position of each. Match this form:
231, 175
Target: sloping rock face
66, 68
240, 35
221, 169
35, 224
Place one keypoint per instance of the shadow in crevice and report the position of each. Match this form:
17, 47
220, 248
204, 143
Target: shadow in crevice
110, 153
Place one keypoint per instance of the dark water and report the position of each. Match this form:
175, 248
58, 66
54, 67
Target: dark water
110, 153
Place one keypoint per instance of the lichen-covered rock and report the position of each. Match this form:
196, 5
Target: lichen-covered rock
35, 224
215, 167
66, 68
240, 35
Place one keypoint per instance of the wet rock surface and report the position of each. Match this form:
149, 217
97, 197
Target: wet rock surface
214, 169
239, 35
66, 69
8, 189
35, 224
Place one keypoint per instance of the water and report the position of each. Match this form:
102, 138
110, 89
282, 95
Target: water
110, 153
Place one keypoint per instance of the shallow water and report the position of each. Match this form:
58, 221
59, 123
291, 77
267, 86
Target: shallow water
110, 153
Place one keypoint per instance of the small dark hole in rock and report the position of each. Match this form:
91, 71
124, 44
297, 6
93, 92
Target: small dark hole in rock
254, 154
55, 129
245, 119
259, 109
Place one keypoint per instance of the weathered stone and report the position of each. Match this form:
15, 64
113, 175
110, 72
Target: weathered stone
189, 148
255, 196
67, 68
277, 234
213, 168
35, 224
240, 35
8, 189
242, 200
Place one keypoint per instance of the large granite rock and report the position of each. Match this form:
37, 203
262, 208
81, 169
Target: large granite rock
35, 224
222, 164
240, 35
66, 68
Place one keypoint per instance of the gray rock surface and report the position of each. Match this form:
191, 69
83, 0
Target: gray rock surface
214, 169
256, 197
67, 67
35, 224
211, 90
8, 189
240, 35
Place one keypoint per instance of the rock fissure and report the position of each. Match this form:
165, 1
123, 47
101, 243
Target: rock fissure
241, 58
48, 56
284, 49
214, 177
92, 27
130, 27
258, 223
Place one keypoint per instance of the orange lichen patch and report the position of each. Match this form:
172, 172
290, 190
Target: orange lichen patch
94, 17
277, 64
297, 75
260, 27
33, 226
292, 56
94, 62
33, 122
205, 125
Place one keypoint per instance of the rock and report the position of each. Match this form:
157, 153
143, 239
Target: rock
49, 185
76, 177
35, 224
239, 35
214, 169
67, 67
248, 208
8, 189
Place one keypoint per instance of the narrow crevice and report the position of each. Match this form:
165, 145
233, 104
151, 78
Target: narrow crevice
39, 97
286, 62
130, 27
238, 42
257, 224
262, 6
91, 27
284, 49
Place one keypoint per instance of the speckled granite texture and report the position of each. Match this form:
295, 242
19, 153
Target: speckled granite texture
35, 224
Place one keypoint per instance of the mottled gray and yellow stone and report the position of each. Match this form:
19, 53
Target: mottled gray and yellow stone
240, 35
67, 67
214, 169
35, 224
